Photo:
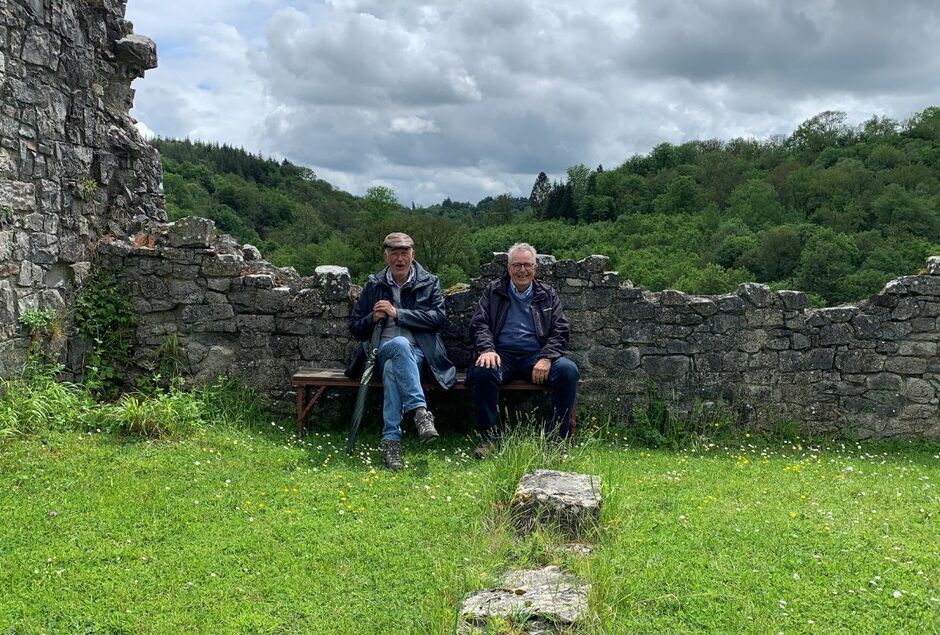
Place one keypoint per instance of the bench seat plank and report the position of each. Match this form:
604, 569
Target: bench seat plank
317, 380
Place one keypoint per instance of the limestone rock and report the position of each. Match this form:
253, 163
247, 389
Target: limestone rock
933, 266
566, 500
538, 598
136, 51
250, 252
192, 231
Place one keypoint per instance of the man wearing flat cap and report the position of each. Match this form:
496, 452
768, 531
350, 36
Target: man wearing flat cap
405, 301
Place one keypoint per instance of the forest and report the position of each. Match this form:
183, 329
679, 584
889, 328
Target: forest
833, 209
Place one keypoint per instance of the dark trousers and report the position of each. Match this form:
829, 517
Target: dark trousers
562, 378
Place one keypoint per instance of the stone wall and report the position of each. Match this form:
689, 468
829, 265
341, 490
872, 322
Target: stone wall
72, 166
870, 368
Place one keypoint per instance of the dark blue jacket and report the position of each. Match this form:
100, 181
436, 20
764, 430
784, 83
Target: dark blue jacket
551, 326
421, 311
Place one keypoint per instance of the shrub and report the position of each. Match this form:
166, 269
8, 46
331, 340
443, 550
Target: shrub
104, 315
37, 401
165, 413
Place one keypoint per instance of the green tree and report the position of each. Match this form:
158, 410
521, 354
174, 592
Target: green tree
778, 253
541, 190
755, 202
826, 260
578, 177
682, 196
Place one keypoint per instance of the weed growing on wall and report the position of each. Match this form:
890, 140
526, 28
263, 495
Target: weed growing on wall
105, 317
658, 422
46, 330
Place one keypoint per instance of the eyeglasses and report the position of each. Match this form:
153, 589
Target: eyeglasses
519, 266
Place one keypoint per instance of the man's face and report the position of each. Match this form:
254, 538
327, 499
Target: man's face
522, 269
399, 260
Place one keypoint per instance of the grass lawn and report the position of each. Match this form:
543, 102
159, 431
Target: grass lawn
238, 530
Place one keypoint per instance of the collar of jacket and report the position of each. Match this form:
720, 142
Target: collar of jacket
422, 277
501, 287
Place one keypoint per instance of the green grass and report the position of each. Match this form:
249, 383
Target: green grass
231, 528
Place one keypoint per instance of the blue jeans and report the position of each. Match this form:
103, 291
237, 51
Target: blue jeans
401, 376
562, 379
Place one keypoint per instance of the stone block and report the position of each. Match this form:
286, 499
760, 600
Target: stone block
838, 314
758, 295
917, 349
906, 365
835, 334
255, 323
820, 359
859, 362
666, 367
919, 390
703, 306
534, 600
200, 313
884, 381
933, 266
637, 332
594, 264
185, 292
614, 359
191, 231
795, 300
295, 326
222, 266
920, 325
906, 309
726, 323
566, 501
220, 285
137, 52
250, 252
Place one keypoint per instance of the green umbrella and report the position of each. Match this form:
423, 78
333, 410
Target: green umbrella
367, 371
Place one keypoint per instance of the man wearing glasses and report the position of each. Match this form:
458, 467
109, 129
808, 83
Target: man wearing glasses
404, 301
519, 330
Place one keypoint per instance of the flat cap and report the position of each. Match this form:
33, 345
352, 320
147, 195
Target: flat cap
398, 240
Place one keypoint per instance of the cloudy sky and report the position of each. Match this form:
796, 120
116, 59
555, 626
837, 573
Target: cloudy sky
473, 98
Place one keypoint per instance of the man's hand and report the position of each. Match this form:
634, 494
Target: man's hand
489, 360
383, 308
540, 371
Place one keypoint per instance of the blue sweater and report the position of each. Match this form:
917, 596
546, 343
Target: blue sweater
518, 333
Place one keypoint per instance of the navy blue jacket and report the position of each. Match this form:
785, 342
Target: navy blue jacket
551, 326
421, 311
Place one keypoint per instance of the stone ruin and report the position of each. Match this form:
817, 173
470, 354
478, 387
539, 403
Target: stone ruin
80, 189
73, 168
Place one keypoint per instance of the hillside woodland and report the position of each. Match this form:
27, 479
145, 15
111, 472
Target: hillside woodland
833, 209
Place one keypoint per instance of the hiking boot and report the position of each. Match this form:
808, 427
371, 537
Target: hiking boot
424, 423
391, 452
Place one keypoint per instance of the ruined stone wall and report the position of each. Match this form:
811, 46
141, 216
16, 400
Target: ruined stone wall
871, 369
72, 166
79, 188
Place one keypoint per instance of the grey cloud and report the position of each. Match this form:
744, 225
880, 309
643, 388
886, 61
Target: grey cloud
810, 46
440, 98
359, 60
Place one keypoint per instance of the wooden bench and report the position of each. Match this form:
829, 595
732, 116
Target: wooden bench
313, 382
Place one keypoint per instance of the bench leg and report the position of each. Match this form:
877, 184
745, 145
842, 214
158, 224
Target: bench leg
305, 404
300, 410
573, 426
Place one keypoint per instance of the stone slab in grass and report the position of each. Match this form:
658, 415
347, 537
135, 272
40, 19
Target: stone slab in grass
541, 600
568, 501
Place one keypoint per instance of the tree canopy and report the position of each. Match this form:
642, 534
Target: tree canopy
835, 210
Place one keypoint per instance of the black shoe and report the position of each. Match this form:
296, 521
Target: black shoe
424, 422
391, 452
